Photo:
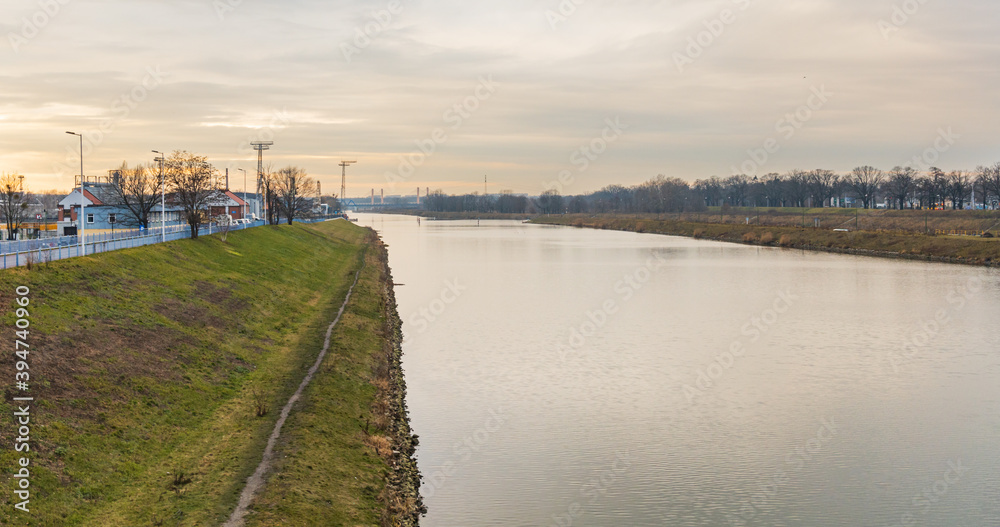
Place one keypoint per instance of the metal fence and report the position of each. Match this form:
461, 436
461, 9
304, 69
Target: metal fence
18, 253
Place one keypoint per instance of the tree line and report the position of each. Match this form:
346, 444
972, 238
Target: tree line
864, 187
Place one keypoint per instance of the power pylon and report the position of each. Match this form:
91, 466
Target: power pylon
260, 146
343, 178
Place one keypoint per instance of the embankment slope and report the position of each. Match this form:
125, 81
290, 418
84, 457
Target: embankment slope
149, 366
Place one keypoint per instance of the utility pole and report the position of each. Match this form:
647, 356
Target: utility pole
485, 185
82, 220
260, 146
343, 179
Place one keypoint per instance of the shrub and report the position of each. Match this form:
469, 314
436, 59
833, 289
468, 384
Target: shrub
698, 233
785, 240
767, 238
749, 237
260, 402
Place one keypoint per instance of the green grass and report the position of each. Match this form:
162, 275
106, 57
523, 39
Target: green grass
326, 474
144, 362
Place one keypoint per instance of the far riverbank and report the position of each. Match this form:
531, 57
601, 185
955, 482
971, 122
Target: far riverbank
971, 250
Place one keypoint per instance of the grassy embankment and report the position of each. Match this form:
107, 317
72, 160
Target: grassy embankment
957, 249
149, 367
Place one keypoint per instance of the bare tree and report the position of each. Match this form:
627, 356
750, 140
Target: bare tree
294, 191
13, 203
135, 190
901, 184
550, 202
190, 179
865, 182
959, 187
822, 186
990, 179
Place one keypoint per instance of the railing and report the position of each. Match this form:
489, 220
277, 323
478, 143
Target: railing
47, 250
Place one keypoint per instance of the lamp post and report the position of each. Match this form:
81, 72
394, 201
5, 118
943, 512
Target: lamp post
244, 215
163, 199
82, 218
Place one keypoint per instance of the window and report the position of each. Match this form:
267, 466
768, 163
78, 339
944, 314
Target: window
90, 218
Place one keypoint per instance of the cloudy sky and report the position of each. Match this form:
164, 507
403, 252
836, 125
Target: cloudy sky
575, 94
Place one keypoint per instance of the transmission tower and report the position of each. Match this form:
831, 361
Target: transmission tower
260, 146
343, 178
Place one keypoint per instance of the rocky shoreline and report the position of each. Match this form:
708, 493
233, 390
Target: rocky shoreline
401, 498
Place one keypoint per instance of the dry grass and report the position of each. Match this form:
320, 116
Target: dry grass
785, 241
749, 237
767, 238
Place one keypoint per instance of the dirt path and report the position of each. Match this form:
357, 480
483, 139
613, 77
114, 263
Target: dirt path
256, 481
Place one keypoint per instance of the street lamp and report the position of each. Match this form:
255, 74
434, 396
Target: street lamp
163, 198
755, 198
244, 192
82, 219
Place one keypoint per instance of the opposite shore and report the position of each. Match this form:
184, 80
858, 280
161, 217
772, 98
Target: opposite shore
946, 248
971, 250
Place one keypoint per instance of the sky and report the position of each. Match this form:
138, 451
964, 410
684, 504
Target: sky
571, 95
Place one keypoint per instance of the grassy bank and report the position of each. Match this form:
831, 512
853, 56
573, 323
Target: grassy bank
945, 248
149, 368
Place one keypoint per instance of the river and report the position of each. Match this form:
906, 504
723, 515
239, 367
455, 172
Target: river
570, 377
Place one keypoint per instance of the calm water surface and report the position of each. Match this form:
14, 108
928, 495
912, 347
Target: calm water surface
563, 377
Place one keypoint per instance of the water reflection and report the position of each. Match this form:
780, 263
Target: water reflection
562, 377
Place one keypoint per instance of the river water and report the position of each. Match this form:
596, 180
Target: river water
561, 376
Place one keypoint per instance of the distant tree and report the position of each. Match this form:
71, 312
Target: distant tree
294, 191
959, 187
901, 184
190, 179
135, 189
13, 203
578, 205
737, 189
990, 180
773, 189
822, 186
939, 186
926, 191
550, 202
865, 182
797, 187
